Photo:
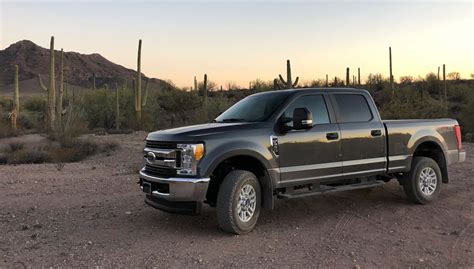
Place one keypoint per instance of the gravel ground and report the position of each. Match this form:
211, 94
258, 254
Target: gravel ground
92, 214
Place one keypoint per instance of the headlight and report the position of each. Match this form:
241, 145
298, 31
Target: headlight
190, 155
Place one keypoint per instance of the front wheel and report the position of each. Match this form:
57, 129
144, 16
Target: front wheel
423, 183
239, 202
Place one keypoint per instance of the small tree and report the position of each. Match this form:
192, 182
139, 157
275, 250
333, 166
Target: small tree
454, 76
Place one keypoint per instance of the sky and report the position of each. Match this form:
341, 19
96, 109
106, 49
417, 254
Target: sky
239, 41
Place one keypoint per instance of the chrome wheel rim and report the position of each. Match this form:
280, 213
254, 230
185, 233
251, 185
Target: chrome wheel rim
247, 203
428, 181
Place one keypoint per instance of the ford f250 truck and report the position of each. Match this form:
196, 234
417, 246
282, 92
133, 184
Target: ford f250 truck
294, 143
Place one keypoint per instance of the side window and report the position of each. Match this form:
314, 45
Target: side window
314, 103
353, 108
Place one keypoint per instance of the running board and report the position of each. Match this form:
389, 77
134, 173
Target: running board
326, 189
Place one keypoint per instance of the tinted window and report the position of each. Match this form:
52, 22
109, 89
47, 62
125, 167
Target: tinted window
254, 108
314, 103
353, 108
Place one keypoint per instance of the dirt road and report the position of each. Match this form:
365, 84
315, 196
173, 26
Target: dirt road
92, 214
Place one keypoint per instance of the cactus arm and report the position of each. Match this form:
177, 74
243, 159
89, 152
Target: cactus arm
40, 81
145, 97
296, 82
281, 79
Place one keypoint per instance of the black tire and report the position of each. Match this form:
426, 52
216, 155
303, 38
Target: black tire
411, 180
228, 200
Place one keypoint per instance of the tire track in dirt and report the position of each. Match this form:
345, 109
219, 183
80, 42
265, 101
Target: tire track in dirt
463, 248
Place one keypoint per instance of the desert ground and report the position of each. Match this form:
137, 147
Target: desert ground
91, 214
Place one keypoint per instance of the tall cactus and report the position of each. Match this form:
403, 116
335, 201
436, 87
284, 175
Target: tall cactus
204, 91
138, 88
52, 87
358, 76
288, 84
59, 99
445, 89
195, 84
327, 80
16, 100
93, 82
347, 77
391, 75
117, 107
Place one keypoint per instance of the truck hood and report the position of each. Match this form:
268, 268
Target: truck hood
199, 132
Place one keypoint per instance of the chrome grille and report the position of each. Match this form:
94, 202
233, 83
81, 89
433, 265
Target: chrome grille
162, 159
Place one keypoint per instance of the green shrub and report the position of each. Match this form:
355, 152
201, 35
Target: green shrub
27, 156
35, 103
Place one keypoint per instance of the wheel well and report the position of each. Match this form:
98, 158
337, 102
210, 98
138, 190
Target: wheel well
240, 162
433, 150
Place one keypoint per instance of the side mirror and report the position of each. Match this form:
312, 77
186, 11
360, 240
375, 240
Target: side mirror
302, 118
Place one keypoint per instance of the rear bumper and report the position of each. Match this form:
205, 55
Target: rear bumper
462, 156
176, 188
455, 156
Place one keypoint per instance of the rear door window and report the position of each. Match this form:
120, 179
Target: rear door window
353, 108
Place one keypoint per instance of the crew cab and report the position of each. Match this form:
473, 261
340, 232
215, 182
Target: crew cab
294, 143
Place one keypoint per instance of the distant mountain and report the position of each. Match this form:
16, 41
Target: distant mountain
78, 68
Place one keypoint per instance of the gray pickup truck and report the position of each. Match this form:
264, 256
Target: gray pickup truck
294, 143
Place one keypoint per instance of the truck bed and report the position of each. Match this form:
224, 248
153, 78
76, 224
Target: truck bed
404, 136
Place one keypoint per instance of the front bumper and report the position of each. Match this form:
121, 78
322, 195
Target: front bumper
177, 189
174, 195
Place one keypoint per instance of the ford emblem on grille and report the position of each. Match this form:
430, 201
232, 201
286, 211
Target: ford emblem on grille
151, 157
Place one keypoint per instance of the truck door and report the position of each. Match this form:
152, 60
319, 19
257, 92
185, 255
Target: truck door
312, 155
362, 134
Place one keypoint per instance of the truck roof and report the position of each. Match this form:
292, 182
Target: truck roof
291, 91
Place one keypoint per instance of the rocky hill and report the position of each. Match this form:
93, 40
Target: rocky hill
79, 69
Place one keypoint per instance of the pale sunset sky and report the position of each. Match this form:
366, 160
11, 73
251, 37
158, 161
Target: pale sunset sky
239, 41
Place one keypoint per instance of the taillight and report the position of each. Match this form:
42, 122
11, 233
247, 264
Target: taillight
457, 132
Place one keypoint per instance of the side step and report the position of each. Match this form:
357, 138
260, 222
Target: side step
326, 189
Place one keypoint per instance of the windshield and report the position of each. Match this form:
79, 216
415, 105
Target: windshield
254, 108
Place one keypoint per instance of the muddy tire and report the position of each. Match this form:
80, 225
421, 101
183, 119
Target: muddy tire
423, 183
239, 202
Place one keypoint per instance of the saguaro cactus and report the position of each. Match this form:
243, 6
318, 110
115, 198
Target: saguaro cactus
288, 84
445, 89
93, 82
117, 107
59, 99
347, 77
195, 84
16, 100
138, 88
327, 80
52, 88
391, 75
358, 76
204, 90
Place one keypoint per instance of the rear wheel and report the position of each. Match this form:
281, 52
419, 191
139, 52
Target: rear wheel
239, 202
423, 183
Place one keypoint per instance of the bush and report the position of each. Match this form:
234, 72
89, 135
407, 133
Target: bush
35, 103
27, 156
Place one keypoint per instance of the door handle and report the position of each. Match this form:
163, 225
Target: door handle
332, 136
376, 132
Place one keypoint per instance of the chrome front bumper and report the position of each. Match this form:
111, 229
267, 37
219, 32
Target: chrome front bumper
179, 189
